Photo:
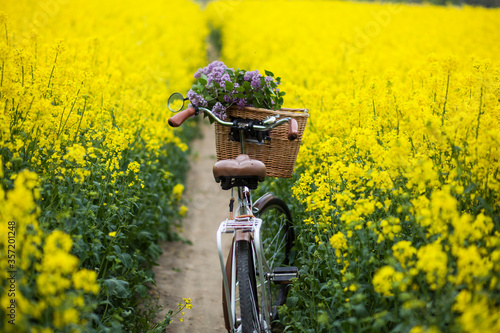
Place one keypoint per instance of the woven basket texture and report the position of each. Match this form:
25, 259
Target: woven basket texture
279, 155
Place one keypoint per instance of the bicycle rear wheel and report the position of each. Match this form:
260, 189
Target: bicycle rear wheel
278, 239
247, 288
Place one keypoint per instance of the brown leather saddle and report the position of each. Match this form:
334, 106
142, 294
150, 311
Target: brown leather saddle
240, 171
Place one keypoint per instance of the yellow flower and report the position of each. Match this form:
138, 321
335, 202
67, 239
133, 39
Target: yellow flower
51, 283
59, 261
403, 251
188, 303
112, 234
66, 317
86, 280
133, 167
338, 242
58, 241
177, 191
76, 153
183, 210
433, 261
384, 280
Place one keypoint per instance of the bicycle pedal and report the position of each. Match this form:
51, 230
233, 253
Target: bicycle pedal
283, 275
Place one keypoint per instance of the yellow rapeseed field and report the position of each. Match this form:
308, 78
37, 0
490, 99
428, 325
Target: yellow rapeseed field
399, 169
395, 193
83, 87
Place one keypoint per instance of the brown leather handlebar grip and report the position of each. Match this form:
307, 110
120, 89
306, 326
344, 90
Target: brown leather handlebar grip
293, 129
179, 118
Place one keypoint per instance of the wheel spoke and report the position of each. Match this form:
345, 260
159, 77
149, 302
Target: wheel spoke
277, 242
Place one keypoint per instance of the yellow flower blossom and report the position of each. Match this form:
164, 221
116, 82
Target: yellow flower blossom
403, 251
86, 280
183, 210
433, 262
177, 191
384, 280
76, 153
338, 242
133, 167
66, 317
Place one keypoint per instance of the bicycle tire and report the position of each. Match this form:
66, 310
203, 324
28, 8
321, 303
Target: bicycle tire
247, 288
278, 238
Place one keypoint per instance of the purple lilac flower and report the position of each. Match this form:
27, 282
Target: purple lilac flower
255, 81
241, 102
198, 73
219, 110
215, 72
223, 80
250, 75
196, 99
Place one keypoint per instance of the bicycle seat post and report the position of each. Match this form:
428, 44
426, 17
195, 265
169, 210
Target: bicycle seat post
242, 141
245, 201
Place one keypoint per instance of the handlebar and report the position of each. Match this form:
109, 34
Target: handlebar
181, 117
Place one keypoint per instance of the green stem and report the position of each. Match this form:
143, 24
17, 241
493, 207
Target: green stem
397, 125
27, 112
480, 112
445, 99
6, 33
59, 131
53, 68
1, 78
106, 308
80, 122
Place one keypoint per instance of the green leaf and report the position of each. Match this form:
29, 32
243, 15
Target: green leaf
126, 259
118, 288
268, 73
203, 79
198, 88
229, 86
141, 290
247, 86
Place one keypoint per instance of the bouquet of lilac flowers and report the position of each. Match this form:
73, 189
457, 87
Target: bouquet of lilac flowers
218, 87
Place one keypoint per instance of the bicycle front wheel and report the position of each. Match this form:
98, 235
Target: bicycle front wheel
278, 239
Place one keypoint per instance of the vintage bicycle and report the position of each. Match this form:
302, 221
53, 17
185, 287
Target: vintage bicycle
258, 269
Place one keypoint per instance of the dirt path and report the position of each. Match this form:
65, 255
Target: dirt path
194, 270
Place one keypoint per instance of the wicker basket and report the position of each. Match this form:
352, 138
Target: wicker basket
278, 155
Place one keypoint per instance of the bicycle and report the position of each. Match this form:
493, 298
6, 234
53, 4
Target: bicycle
258, 269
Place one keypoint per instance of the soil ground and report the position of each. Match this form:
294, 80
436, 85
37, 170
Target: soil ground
194, 270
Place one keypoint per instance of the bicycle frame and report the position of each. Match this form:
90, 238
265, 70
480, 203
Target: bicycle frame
244, 227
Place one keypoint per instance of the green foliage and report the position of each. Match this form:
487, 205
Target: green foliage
116, 224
